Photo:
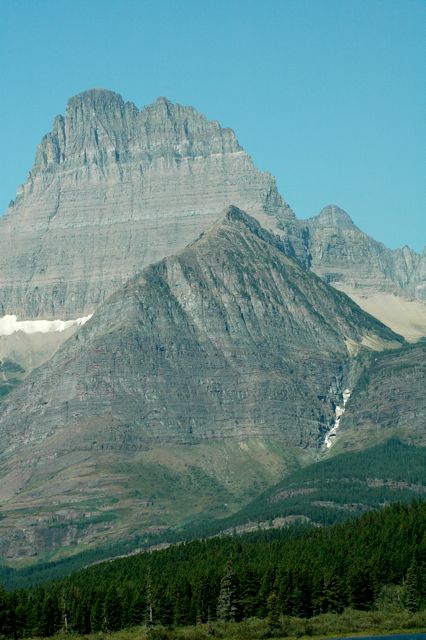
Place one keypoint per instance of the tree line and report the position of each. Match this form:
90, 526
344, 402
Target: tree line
376, 560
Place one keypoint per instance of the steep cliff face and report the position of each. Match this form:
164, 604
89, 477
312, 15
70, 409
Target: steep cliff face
388, 400
390, 284
229, 341
342, 254
114, 189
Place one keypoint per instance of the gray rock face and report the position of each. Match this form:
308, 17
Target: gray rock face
388, 400
229, 328
227, 341
114, 189
344, 256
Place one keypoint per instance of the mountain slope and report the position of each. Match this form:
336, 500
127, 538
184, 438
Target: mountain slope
388, 400
340, 487
390, 284
114, 189
229, 347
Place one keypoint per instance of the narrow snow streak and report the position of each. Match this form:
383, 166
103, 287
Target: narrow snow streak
11, 324
330, 438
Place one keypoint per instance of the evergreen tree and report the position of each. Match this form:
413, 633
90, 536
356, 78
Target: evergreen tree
361, 594
227, 601
136, 609
273, 619
112, 606
149, 614
182, 604
266, 587
97, 614
50, 616
411, 588
249, 592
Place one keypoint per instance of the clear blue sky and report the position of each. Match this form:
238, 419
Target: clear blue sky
327, 95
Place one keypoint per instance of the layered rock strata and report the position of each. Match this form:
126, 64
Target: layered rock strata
227, 341
113, 189
389, 284
342, 254
388, 400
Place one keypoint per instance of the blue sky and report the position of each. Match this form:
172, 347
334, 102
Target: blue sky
327, 95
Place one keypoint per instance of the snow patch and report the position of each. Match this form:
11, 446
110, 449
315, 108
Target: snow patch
11, 324
339, 411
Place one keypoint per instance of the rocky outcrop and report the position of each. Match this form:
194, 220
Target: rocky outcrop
114, 189
389, 284
388, 400
228, 341
344, 256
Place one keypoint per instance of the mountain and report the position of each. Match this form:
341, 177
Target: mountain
214, 364
389, 284
340, 487
388, 400
199, 383
114, 189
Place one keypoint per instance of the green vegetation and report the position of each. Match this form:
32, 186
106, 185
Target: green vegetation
361, 574
341, 487
333, 490
11, 374
350, 622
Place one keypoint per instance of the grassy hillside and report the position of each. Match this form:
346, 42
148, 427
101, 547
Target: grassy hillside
333, 490
338, 488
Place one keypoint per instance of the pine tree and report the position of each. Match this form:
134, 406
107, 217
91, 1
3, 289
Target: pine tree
64, 612
4, 609
149, 599
273, 619
411, 588
112, 610
97, 622
227, 601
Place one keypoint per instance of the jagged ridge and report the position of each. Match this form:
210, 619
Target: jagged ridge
114, 189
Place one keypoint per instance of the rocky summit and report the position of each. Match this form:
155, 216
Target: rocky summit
343, 255
227, 350
390, 284
113, 189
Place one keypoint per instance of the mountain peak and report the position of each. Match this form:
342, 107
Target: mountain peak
334, 214
163, 174
233, 213
96, 95
163, 100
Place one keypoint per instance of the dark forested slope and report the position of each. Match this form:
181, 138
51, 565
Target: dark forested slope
310, 571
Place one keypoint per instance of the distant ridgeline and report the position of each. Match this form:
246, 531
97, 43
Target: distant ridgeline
377, 561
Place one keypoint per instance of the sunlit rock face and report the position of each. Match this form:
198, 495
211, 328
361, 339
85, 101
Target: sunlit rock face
226, 344
226, 338
113, 189
349, 259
